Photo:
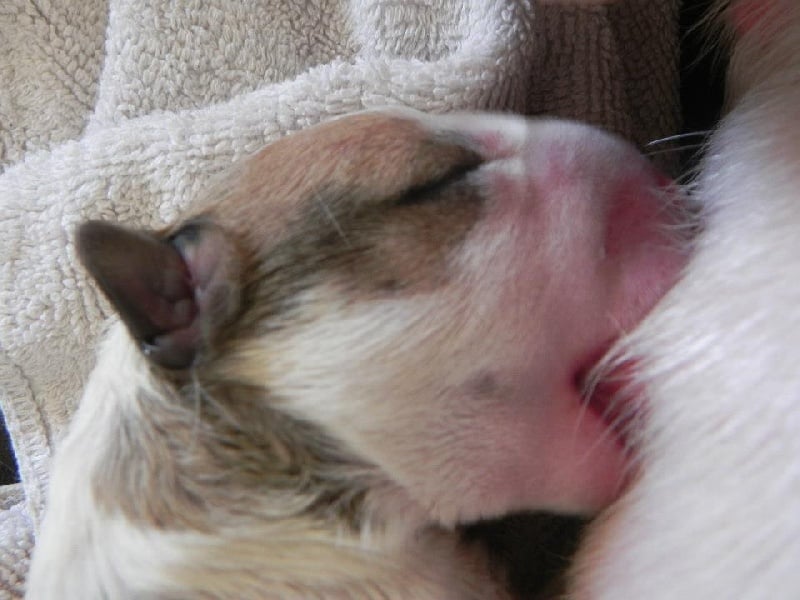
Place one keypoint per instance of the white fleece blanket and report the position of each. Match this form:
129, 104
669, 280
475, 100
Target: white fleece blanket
124, 109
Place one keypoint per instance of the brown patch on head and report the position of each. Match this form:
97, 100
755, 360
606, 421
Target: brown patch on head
373, 204
345, 164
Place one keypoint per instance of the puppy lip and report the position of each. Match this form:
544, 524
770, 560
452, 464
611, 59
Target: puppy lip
617, 399
610, 393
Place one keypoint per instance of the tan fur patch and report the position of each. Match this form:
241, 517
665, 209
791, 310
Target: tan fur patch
373, 160
382, 206
198, 459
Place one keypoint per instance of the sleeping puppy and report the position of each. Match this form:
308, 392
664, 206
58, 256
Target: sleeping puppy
375, 330
715, 513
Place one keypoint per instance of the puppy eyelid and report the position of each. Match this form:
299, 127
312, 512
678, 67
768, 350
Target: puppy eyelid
432, 192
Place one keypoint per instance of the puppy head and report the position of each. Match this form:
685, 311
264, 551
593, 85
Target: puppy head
426, 290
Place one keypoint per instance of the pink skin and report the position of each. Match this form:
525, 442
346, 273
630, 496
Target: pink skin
588, 258
607, 268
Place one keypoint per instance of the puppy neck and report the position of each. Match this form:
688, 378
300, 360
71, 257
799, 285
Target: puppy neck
192, 452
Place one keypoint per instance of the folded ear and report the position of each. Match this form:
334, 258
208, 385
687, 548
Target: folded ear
171, 293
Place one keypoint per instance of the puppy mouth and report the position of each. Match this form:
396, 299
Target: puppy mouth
608, 388
639, 230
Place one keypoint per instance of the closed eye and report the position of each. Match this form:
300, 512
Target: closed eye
435, 191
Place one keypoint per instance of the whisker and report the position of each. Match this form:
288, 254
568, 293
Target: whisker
202, 397
625, 425
688, 179
197, 407
676, 137
601, 439
330, 216
584, 410
628, 419
681, 148
587, 388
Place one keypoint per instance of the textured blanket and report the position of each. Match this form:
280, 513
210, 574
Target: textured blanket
125, 108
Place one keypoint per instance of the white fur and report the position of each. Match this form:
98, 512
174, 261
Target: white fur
715, 515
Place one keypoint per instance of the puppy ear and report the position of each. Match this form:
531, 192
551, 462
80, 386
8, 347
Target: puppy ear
170, 292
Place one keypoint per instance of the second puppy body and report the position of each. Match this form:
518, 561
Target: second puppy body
714, 514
